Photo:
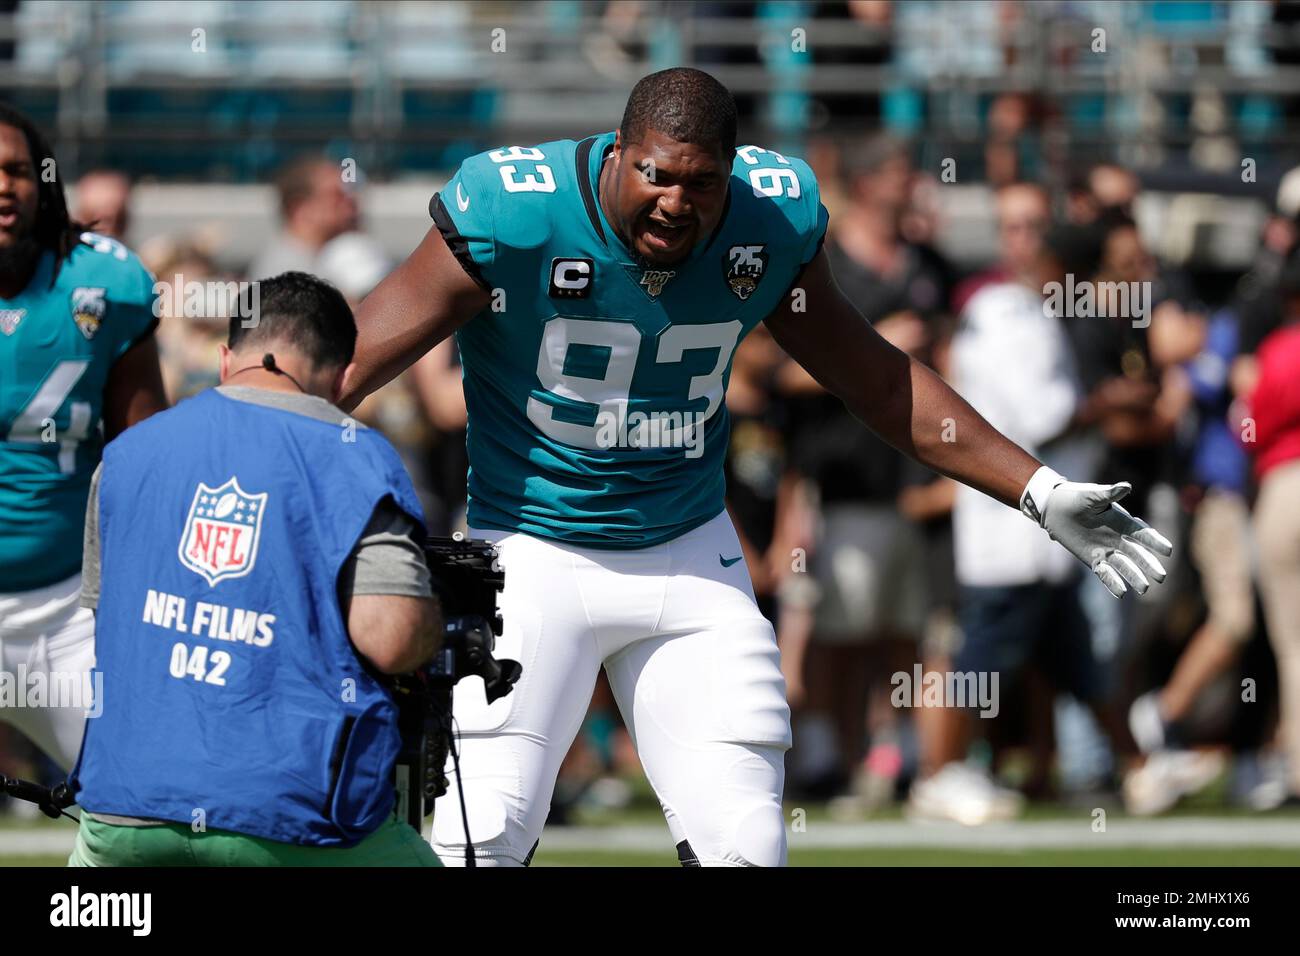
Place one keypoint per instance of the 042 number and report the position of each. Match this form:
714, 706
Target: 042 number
198, 664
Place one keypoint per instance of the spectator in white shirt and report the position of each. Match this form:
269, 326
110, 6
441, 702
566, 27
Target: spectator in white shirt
1018, 597
316, 206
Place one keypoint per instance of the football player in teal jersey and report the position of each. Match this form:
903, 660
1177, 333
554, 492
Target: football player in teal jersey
597, 290
76, 352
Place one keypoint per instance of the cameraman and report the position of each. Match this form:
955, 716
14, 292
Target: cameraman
261, 569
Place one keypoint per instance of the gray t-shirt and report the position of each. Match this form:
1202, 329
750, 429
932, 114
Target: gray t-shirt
386, 560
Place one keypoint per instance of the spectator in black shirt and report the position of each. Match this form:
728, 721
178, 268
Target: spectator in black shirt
864, 597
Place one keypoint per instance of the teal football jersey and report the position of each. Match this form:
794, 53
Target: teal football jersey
595, 386
57, 344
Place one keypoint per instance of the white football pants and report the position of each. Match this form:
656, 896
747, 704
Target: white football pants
694, 668
46, 631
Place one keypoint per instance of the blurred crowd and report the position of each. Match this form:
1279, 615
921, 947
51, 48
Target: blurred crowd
1160, 79
1194, 402
876, 572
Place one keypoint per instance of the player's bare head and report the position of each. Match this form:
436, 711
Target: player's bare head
672, 159
32, 204
303, 321
684, 104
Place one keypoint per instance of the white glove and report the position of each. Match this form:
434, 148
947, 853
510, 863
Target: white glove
1088, 523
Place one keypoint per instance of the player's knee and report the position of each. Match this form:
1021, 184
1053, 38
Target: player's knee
757, 838
760, 837
748, 827
497, 840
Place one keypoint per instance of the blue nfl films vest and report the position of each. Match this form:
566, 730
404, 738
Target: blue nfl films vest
231, 693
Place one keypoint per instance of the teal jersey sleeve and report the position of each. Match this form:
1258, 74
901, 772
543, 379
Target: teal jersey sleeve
464, 212
471, 210
792, 191
817, 235
130, 292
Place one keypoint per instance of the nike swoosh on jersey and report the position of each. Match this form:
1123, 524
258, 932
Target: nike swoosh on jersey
462, 201
728, 562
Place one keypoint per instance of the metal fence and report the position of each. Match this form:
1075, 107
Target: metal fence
227, 90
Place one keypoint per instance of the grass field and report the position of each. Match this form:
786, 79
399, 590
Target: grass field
885, 856
926, 856
1202, 833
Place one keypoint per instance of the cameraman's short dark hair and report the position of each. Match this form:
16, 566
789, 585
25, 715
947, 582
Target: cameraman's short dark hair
301, 310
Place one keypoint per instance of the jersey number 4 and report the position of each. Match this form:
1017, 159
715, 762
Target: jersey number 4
36, 422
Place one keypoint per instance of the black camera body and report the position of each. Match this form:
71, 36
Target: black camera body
468, 579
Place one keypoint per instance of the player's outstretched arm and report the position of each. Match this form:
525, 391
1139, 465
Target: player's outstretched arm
419, 304
904, 402
914, 410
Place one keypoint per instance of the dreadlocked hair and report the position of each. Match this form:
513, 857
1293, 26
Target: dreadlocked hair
55, 229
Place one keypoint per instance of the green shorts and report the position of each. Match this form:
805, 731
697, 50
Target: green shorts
176, 844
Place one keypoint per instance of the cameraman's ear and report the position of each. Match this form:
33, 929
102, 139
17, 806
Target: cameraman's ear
225, 353
343, 380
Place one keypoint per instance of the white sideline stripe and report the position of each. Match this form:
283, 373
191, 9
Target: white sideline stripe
1026, 835
37, 842
822, 835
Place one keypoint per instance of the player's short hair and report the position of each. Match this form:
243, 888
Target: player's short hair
55, 229
687, 104
305, 312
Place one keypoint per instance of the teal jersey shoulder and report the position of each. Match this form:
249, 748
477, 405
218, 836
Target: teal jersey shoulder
595, 384
57, 343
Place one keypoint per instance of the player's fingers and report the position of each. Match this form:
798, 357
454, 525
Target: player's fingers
1144, 559
1118, 519
1154, 540
1130, 572
1114, 583
1109, 494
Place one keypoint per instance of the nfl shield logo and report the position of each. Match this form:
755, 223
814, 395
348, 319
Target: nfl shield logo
222, 531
